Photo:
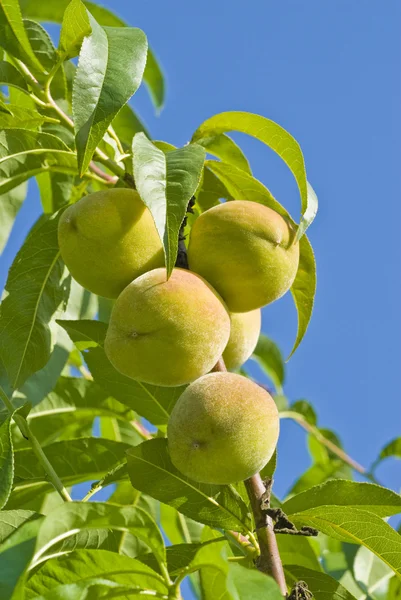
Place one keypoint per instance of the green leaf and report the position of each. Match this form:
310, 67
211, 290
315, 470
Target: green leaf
393, 449
267, 354
55, 190
42, 45
10, 203
74, 461
11, 520
83, 564
22, 118
54, 12
303, 289
367, 496
322, 586
210, 191
24, 154
150, 401
306, 410
166, 183
297, 550
73, 401
10, 76
242, 186
126, 124
85, 334
226, 150
72, 517
355, 526
36, 287
98, 94
178, 528
6, 461
250, 584
370, 573
151, 471
75, 27
13, 37
279, 140
15, 555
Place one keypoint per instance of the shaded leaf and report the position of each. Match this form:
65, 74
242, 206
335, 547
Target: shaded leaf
11, 520
10, 76
126, 124
166, 183
367, 496
210, 191
150, 401
279, 140
297, 550
6, 461
10, 203
320, 584
267, 354
36, 287
85, 334
151, 471
98, 94
249, 584
23, 118
304, 408
24, 154
55, 190
393, 449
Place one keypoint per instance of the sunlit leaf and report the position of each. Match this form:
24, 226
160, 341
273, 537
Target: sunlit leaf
267, 354
322, 586
279, 140
75, 27
10, 203
6, 461
226, 150
166, 183
98, 94
13, 37
248, 584
10, 76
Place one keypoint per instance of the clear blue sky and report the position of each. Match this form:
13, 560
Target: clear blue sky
329, 72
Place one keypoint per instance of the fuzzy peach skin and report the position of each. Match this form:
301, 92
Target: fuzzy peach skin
223, 429
244, 335
167, 332
243, 249
107, 239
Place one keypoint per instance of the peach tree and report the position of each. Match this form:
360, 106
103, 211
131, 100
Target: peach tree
128, 314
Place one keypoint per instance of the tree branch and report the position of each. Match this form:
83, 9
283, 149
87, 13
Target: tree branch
269, 561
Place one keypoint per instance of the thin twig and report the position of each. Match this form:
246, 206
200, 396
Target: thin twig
269, 561
324, 441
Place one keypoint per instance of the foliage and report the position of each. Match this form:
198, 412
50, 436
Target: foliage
72, 129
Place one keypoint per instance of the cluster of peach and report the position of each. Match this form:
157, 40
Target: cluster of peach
172, 331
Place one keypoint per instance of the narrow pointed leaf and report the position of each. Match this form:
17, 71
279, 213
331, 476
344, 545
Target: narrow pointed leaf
119, 54
151, 471
22, 118
54, 11
279, 140
36, 288
11, 520
227, 151
75, 27
248, 584
267, 354
84, 333
242, 186
13, 37
166, 183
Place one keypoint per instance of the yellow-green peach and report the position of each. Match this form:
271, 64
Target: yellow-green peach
244, 335
107, 239
246, 252
167, 332
223, 429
